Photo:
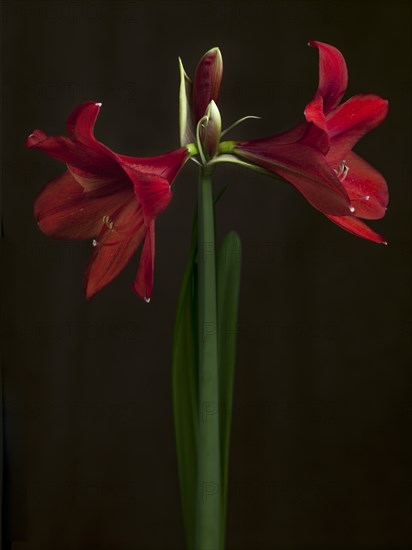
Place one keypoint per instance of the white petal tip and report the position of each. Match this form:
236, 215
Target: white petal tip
352, 209
98, 104
385, 243
147, 300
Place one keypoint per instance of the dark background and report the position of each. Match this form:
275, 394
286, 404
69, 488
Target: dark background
321, 453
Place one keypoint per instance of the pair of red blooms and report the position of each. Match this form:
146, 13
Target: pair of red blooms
114, 199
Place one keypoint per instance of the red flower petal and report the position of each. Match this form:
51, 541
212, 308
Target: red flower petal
80, 125
153, 192
357, 227
366, 187
207, 81
316, 134
353, 119
83, 159
152, 178
143, 284
64, 211
115, 246
333, 75
166, 166
302, 166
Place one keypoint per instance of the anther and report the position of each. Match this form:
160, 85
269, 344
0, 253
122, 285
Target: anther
108, 222
342, 170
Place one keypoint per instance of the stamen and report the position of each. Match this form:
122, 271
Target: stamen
342, 170
108, 222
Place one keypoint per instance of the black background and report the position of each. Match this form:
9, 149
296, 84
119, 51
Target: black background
321, 454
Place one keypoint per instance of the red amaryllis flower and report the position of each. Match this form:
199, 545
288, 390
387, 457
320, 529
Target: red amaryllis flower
317, 158
110, 198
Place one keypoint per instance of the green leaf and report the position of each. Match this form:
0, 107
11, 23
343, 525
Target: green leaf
185, 389
228, 285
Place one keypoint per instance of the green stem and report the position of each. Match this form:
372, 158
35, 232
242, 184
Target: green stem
226, 147
208, 498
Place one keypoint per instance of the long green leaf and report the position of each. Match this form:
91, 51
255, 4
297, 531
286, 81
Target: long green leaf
228, 285
185, 390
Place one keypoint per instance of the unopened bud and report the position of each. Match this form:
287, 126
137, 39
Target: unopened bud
210, 130
207, 81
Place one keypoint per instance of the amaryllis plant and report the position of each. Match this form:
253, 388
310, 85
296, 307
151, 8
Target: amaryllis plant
113, 201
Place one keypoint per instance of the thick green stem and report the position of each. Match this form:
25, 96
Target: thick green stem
208, 498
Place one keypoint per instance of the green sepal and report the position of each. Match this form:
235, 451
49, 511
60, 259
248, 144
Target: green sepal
186, 125
235, 160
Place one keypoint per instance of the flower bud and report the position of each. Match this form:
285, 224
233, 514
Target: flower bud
207, 81
210, 130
